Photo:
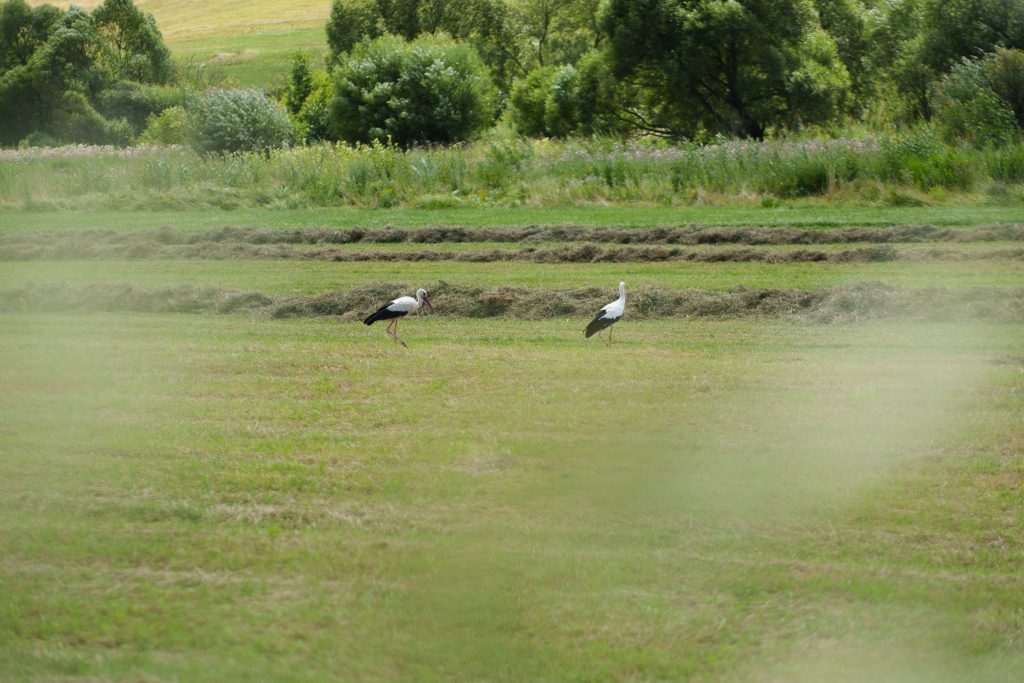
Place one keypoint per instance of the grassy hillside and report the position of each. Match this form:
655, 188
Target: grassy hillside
252, 41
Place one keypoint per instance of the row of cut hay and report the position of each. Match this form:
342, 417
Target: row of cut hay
683, 236
583, 253
847, 303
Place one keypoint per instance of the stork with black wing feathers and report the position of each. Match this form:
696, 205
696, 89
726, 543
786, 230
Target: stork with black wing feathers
608, 316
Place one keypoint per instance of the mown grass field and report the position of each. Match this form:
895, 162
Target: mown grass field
314, 278
747, 493
221, 498
742, 497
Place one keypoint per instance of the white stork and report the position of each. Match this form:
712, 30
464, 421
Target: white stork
608, 316
399, 308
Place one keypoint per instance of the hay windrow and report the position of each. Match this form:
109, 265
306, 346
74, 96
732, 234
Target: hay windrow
580, 253
79, 243
843, 304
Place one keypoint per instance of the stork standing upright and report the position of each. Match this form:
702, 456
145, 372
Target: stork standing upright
608, 316
399, 308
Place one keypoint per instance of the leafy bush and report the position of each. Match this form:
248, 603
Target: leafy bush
169, 127
970, 109
1005, 71
559, 101
529, 101
562, 109
313, 119
137, 102
77, 120
238, 121
430, 90
300, 85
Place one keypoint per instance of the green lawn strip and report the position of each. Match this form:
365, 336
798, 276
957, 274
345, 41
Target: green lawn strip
215, 498
809, 214
261, 60
316, 277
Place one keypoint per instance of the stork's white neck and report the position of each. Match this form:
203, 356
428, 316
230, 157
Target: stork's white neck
622, 291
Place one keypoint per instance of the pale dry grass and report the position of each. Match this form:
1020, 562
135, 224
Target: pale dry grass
182, 20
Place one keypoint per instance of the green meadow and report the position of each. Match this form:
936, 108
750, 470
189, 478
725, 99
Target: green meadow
291, 277
745, 493
226, 498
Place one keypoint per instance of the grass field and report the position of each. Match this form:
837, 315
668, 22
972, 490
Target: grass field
314, 278
259, 487
221, 498
229, 496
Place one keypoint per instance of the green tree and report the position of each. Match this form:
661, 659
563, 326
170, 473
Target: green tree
133, 47
725, 66
529, 101
430, 90
512, 37
43, 94
299, 85
23, 30
77, 76
845, 21
314, 117
913, 42
350, 22
558, 101
953, 29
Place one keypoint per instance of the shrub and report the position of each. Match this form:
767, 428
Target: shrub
529, 101
78, 121
598, 96
559, 101
970, 109
300, 84
430, 90
562, 108
238, 121
313, 119
169, 127
1005, 71
136, 102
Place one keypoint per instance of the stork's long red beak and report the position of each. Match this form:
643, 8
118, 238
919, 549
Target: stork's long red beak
427, 302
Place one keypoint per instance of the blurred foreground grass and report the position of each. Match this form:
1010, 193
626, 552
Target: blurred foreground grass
222, 498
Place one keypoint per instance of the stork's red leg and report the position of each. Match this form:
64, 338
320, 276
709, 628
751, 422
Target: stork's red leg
397, 338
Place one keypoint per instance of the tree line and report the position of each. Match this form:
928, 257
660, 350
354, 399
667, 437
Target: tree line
439, 71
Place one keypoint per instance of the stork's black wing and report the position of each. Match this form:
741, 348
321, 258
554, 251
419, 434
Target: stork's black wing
598, 323
383, 313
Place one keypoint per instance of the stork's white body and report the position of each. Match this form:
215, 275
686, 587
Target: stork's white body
399, 308
405, 304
